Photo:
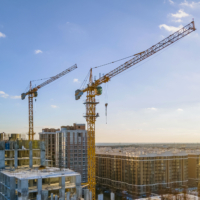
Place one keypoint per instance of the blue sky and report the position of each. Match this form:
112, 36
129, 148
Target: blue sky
157, 102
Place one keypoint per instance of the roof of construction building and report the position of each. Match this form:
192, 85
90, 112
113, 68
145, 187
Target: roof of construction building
48, 172
144, 152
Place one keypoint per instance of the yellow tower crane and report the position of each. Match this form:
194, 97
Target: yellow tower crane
32, 92
93, 88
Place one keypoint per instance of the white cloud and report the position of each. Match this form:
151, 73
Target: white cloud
171, 2
177, 20
2, 35
180, 14
180, 110
15, 97
191, 5
54, 106
3, 94
153, 109
75, 80
170, 28
38, 51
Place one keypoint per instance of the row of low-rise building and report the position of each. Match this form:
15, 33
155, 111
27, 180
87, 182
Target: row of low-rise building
142, 170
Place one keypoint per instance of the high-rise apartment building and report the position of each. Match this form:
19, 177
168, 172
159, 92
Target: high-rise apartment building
141, 171
48, 135
71, 149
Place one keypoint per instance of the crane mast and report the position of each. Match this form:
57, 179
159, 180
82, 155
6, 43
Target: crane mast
32, 92
94, 89
30, 106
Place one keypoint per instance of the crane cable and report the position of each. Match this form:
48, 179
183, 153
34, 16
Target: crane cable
113, 61
85, 80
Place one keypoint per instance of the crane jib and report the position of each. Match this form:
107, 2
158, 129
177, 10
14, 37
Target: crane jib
142, 56
53, 78
147, 53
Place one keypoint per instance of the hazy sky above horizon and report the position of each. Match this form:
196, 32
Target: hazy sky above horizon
157, 102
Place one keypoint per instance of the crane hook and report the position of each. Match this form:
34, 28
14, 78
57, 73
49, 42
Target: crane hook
106, 105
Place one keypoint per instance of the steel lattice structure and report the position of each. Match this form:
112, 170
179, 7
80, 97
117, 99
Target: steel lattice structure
91, 90
33, 93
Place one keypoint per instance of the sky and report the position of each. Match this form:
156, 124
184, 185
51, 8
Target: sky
159, 101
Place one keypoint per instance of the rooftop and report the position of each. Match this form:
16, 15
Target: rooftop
30, 173
144, 152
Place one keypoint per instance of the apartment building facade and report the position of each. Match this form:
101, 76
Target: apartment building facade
71, 149
194, 169
140, 173
48, 135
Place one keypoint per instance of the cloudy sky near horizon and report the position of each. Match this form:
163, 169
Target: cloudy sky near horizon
157, 102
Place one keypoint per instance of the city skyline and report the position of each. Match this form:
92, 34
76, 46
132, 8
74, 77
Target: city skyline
156, 102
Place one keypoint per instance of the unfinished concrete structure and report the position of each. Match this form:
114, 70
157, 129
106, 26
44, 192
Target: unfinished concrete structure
24, 175
139, 171
22, 153
39, 184
48, 135
71, 149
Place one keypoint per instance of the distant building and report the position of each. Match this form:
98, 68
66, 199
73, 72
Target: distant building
12, 136
71, 149
140, 171
48, 135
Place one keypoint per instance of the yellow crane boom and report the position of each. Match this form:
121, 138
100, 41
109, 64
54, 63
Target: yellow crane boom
94, 88
32, 92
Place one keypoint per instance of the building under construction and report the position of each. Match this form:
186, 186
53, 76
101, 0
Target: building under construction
67, 148
140, 171
24, 173
48, 135
39, 183
22, 153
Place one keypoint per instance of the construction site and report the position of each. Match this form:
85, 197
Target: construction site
64, 163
